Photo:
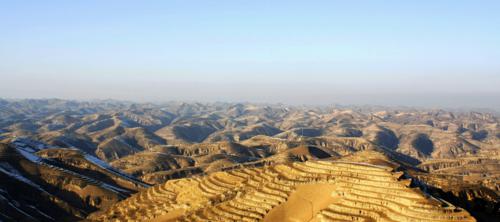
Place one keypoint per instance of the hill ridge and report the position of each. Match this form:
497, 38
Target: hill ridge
256, 194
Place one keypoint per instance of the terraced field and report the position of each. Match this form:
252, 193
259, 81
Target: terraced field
306, 191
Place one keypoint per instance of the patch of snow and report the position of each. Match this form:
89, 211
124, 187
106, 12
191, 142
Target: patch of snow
26, 148
110, 169
29, 155
87, 179
96, 161
29, 144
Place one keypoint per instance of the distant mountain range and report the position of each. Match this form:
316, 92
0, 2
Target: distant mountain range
65, 160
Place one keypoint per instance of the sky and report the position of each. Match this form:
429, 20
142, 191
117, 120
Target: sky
442, 53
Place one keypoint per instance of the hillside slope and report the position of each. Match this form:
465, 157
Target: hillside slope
308, 191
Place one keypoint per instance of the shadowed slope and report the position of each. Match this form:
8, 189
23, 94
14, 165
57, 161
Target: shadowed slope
57, 184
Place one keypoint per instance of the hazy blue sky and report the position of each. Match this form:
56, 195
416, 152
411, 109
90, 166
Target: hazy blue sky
432, 52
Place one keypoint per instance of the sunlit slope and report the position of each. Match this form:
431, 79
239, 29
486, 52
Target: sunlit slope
299, 191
